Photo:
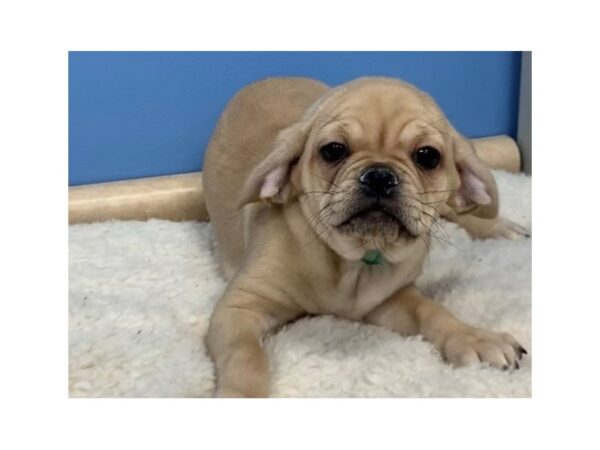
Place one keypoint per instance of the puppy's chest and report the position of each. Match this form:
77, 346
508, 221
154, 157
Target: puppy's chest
360, 289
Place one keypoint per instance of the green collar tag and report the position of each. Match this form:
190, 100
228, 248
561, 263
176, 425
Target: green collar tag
373, 258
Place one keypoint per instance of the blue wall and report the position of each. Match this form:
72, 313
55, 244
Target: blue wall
139, 114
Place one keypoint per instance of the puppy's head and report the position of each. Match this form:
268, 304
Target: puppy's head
372, 163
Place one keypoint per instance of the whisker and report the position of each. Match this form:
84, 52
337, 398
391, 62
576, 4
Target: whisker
320, 192
428, 206
435, 192
430, 232
357, 247
429, 203
324, 179
436, 221
390, 258
318, 219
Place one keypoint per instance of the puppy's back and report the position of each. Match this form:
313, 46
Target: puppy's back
242, 139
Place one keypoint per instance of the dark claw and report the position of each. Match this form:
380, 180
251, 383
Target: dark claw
505, 367
517, 367
523, 351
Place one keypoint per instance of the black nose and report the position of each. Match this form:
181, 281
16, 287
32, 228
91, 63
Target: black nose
378, 181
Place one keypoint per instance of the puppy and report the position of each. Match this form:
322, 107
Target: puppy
324, 201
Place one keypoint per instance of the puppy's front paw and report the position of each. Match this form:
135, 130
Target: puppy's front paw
475, 346
504, 228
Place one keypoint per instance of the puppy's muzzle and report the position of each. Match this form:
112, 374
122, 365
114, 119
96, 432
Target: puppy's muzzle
378, 181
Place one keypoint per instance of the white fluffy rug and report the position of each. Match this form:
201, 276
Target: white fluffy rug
141, 294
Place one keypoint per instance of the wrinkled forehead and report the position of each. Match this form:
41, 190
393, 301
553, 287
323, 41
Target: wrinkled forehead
382, 113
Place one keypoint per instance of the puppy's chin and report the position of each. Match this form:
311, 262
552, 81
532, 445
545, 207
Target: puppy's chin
375, 222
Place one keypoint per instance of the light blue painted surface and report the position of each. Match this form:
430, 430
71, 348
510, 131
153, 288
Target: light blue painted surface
139, 114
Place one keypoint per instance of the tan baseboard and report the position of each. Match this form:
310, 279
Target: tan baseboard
173, 197
179, 197
499, 152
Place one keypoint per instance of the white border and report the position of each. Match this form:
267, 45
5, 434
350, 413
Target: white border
36, 37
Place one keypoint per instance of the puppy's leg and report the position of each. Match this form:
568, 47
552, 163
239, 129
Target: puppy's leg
234, 341
491, 228
408, 312
478, 228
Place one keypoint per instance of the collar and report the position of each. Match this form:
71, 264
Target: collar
373, 258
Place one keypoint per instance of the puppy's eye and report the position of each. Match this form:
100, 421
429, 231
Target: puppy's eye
427, 157
334, 152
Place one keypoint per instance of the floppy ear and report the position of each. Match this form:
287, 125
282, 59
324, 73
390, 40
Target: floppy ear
270, 180
477, 194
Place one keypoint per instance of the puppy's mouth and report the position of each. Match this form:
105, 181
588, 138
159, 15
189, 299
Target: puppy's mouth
372, 213
374, 220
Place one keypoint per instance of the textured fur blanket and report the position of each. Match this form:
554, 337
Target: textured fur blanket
141, 294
